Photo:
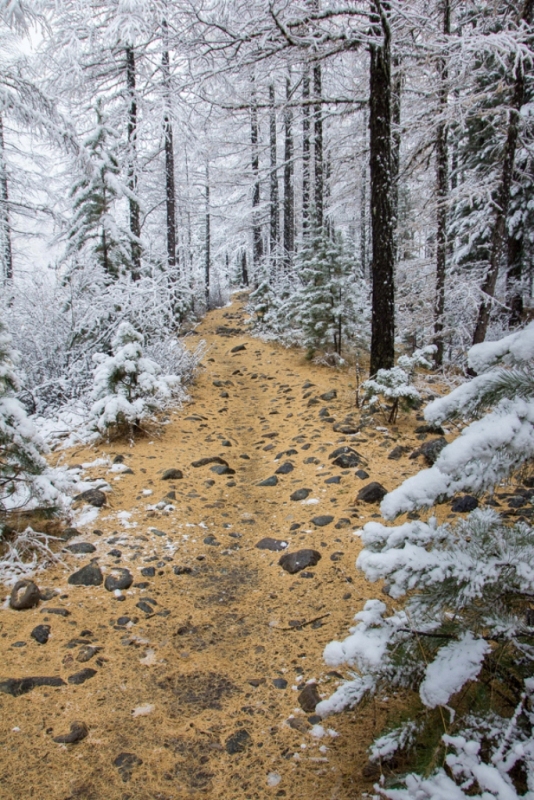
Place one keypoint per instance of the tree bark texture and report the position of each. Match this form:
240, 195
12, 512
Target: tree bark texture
170, 190
306, 151
442, 192
207, 261
274, 201
5, 226
382, 269
503, 196
318, 147
289, 204
257, 242
135, 216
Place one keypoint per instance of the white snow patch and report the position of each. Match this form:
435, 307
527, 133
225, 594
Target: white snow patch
144, 710
455, 664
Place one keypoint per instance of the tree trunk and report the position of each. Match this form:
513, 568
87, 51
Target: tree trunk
382, 269
318, 147
364, 211
5, 226
275, 207
395, 149
514, 295
257, 242
135, 218
170, 192
244, 269
306, 128
503, 197
207, 263
289, 206
442, 191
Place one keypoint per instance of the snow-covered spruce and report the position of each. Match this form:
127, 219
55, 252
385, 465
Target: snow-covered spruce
462, 634
396, 385
129, 388
26, 480
490, 447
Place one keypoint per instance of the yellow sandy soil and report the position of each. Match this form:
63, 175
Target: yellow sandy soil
225, 624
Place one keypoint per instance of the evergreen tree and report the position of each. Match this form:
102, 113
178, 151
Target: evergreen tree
25, 478
329, 303
128, 387
463, 637
93, 227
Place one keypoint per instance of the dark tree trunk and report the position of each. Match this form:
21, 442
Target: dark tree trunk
395, 148
257, 242
382, 269
306, 151
318, 147
135, 217
275, 206
244, 269
289, 204
170, 192
503, 197
5, 226
514, 274
207, 262
442, 191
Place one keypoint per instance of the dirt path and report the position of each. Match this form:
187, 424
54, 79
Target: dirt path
192, 691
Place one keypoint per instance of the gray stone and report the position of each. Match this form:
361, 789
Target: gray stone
301, 559
25, 594
309, 697
271, 544
172, 475
90, 575
92, 496
322, 520
328, 396
300, 494
279, 683
148, 572
41, 633
361, 474
78, 731
18, 686
221, 469
334, 479
272, 481
372, 493
83, 675
464, 504
238, 742
203, 462
345, 457
119, 578
81, 548
285, 469
430, 450
238, 348
125, 763
397, 452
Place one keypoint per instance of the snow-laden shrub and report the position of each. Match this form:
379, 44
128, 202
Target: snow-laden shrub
26, 480
396, 384
128, 387
459, 628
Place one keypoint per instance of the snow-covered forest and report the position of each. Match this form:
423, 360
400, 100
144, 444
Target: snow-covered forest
365, 172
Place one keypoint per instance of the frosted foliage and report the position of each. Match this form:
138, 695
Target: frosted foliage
459, 598
396, 384
26, 481
489, 448
454, 665
129, 388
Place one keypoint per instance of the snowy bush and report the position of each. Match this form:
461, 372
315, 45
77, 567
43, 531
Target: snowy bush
128, 387
396, 384
462, 635
26, 481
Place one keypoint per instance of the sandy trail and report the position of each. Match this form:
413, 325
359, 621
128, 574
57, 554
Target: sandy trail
191, 693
